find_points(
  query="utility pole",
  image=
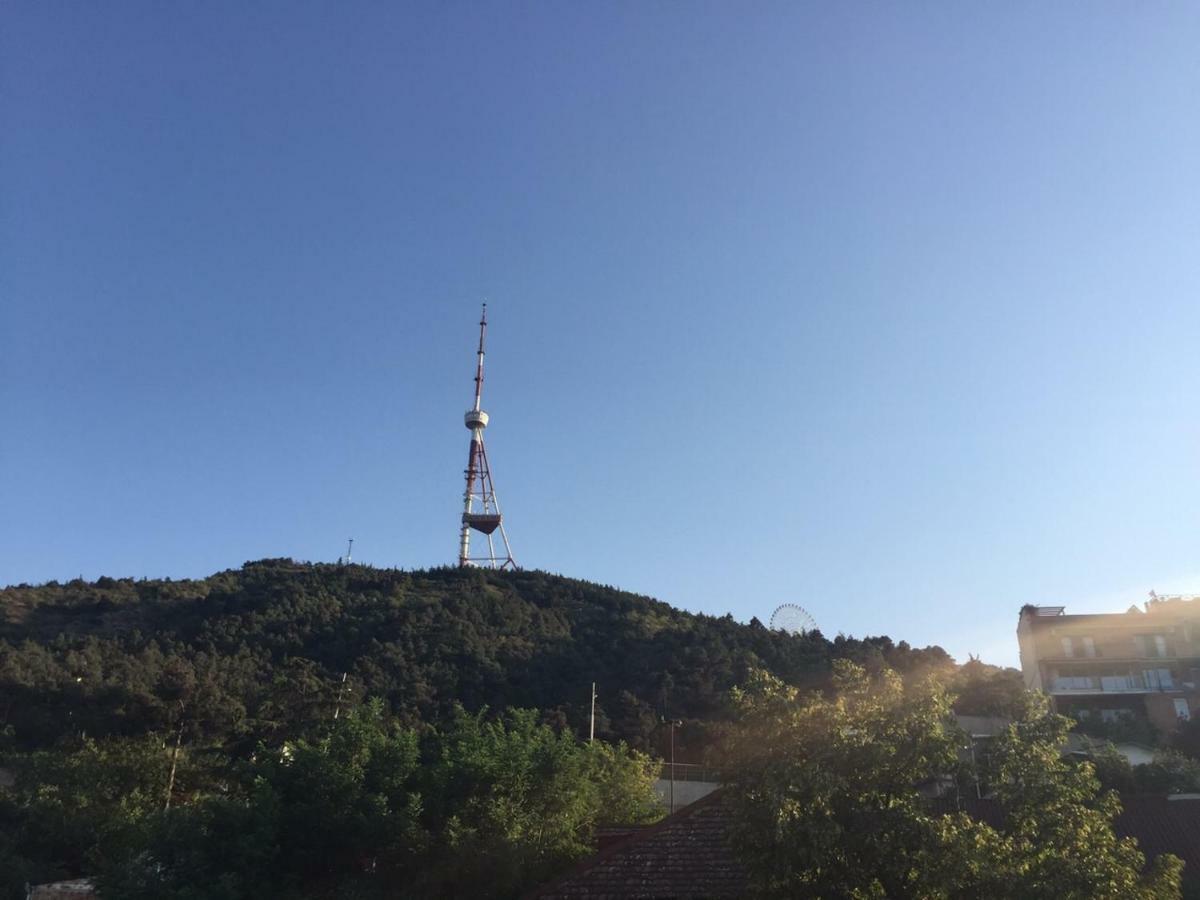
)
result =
(174, 758)
(673, 723)
(592, 728)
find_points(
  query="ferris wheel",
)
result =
(793, 619)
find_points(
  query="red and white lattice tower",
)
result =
(481, 509)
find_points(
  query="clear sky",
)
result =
(889, 310)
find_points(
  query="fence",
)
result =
(690, 772)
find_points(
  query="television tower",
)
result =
(484, 517)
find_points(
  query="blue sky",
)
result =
(886, 310)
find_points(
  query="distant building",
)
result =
(1138, 665)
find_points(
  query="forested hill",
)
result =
(259, 653)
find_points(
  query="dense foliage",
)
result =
(1170, 772)
(259, 654)
(481, 806)
(827, 800)
(240, 702)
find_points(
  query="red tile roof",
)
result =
(1163, 825)
(686, 856)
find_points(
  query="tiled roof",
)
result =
(685, 856)
(1164, 825)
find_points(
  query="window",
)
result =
(1151, 645)
(1068, 650)
(1074, 683)
(1116, 683)
(1181, 709)
(1089, 647)
(1158, 679)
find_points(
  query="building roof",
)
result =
(1164, 825)
(1160, 608)
(686, 855)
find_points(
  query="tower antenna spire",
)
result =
(481, 508)
(479, 366)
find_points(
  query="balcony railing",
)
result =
(690, 772)
(1116, 656)
(1112, 684)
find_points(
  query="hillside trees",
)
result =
(259, 654)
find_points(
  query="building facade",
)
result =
(1142, 665)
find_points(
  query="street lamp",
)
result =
(672, 723)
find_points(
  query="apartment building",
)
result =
(1143, 663)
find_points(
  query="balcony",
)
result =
(1154, 681)
(1109, 655)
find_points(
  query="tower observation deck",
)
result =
(481, 507)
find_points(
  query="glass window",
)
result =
(1074, 683)
(1089, 647)
(1068, 650)
(1181, 709)
(1160, 646)
(1158, 679)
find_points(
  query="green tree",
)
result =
(1170, 773)
(983, 690)
(71, 807)
(825, 788)
(1058, 840)
(515, 801)
(826, 801)
(482, 807)
(310, 816)
(1113, 769)
(1186, 738)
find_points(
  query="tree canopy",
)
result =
(828, 804)
(483, 806)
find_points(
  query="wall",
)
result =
(685, 792)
